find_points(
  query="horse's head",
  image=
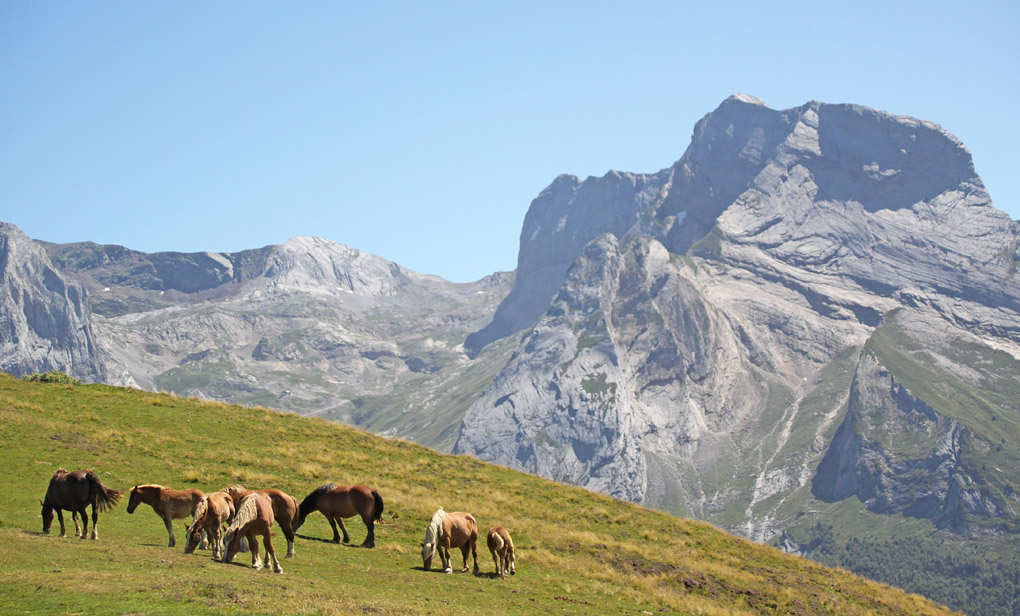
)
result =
(136, 497)
(193, 535)
(47, 517)
(428, 550)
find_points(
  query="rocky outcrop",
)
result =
(45, 322)
(781, 240)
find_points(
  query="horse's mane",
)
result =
(60, 472)
(311, 501)
(432, 533)
(201, 507)
(246, 512)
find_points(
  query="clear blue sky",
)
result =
(421, 131)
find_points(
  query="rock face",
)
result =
(701, 338)
(45, 323)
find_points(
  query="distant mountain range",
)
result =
(806, 330)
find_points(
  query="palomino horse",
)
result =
(339, 502)
(211, 512)
(254, 517)
(502, 548)
(446, 530)
(74, 491)
(285, 510)
(168, 504)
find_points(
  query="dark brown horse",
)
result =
(254, 517)
(285, 510)
(339, 502)
(450, 530)
(74, 491)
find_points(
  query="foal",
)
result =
(502, 548)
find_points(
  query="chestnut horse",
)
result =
(446, 530)
(211, 512)
(339, 502)
(254, 517)
(502, 548)
(285, 510)
(75, 491)
(168, 504)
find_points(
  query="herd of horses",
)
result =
(249, 514)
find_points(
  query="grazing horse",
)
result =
(502, 548)
(446, 530)
(254, 517)
(74, 491)
(211, 513)
(168, 504)
(285, 510)
(339, 502)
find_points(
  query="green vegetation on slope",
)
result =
(578, 552)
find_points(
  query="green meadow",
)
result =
(577, 552)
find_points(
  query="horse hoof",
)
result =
(447, 570)
(278, 569)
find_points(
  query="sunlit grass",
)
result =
(577, 552)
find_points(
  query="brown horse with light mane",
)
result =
(211, 513)
(168, 504)
(455, 529)
(75, 491)
(339, 502)
(285, 510)
(501, 546)
(254, 517)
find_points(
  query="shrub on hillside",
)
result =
(54, 376)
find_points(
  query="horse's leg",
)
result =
(495, 559)
(169, 529)
(95, 521)
(253, 545)
(444, 554)
(271, 553)
(474, 555)
(204, 544)
(464, 552)
(84, 521)
(288, 532)
(332, 523)
(370, 525)
(340, 521)
(73, 517)
(60, 516)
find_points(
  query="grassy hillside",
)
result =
(578, 552)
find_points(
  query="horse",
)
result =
(446, 530)
(254, 517)
(168, 504)
(339, 502)
(285, 510)
(74, 491)
(211, 512)
(502, 548)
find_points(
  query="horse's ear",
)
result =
(42, 503)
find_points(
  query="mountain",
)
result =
(812, 318)
(309, 326)
(44, 317)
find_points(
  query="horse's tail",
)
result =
(377, 512)
(104, 498)
(311, 502)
